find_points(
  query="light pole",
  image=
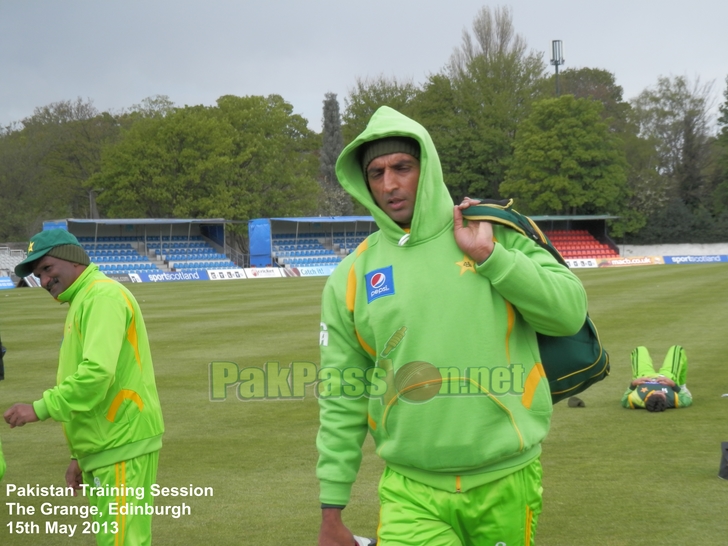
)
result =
(93, 211)
(557, 58)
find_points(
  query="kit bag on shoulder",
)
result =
(571, 363)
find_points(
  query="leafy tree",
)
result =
(335, 200)
(677, 223)
(371, 93)
(476, 104)
(247, 157)
(646, 188)
(154, 106)
(47, 162)
(24, 199)
(276, 163)
(674, 117)
(594, 84)
(719, 198)
(567, 161)
(168, 167)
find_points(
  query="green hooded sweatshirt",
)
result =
(106, 394)
(450, 343)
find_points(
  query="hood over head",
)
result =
(433, 205)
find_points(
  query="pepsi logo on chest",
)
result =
(379, 283)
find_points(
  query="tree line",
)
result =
(658, 162)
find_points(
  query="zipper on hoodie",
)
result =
(457, 485)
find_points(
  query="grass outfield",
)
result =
(612, 476)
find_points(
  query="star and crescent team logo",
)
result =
(467, 264)
(30, 246)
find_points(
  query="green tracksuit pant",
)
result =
(675, 365)
(126, 512)
(501, 513)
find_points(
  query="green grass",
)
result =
(611, 476)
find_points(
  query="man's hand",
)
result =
(74, 476)
(662, 380)
(475, 239)
(333, 531)
(19, 414)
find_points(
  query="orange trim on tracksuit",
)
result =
(124, 394)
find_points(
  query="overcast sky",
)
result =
(116, 53)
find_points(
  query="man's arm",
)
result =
(684, 399)
(333, 532)
(625, 398)
(74, 476)
(525, 274)
(343, 420)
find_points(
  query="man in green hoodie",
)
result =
(106, 395)
(439, 317)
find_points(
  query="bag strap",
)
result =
(502, 212)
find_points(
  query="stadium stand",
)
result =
(349, 241)
(117, 255)
(9, 258)
(312, 250)
(579, 243)
(181, 253)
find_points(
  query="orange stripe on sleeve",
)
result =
(511, 323)
(534, 378)
(131, 333)
(351, 282)
(372, 422)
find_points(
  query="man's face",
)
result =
(393, 181)
(55, 274)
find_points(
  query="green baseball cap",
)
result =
(58, 243)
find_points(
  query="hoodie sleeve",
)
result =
(102, 326)
(343, 419)
(684, 400)
(550, 297)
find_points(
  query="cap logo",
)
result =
(30, 246)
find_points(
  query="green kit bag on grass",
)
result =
(573, 363)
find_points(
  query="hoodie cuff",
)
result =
(335, 493)
(496, 265)
(41, 410)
